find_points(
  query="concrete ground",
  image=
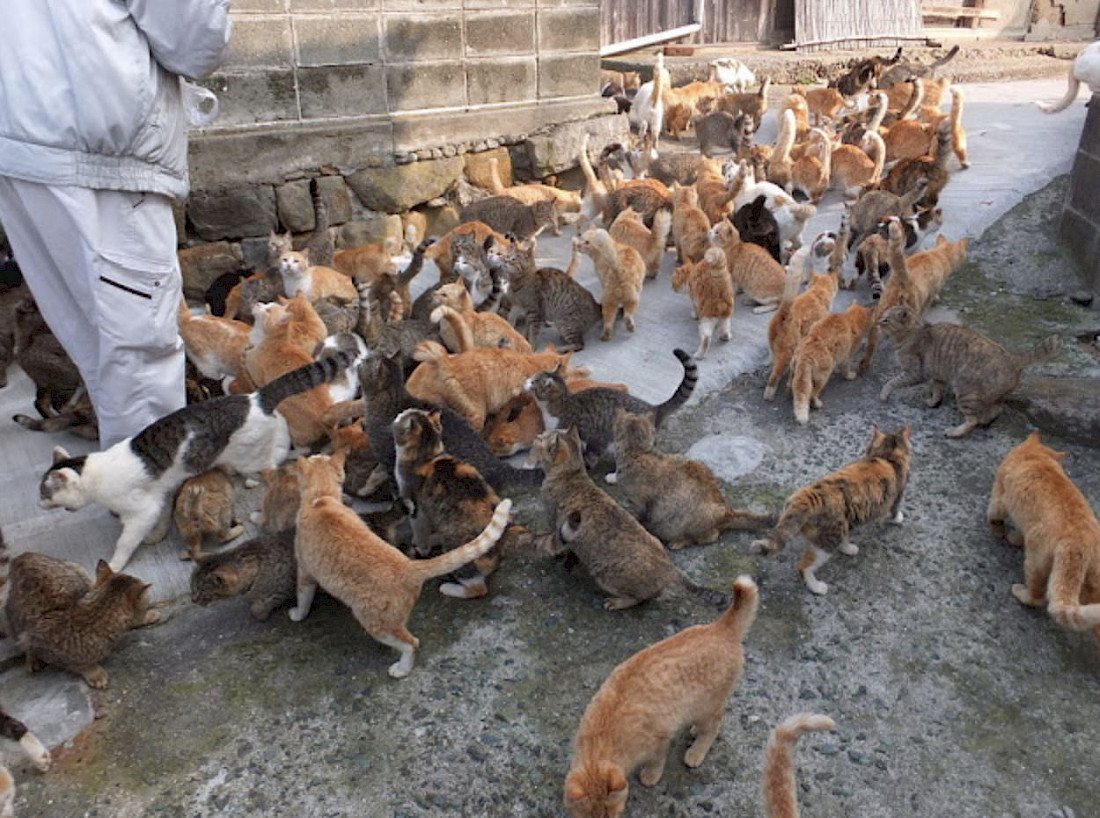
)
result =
(944, 689)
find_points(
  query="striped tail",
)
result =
(778, 785)
(303, 379)
(416, 264)
(492, 300)
(477, 547)
(683, 391)
(706, 595)
(1043, 350)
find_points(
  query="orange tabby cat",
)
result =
(214, 345)
(487, 329)
(569, 201)
(796, 314)
(1058, 531)
(830, 343)
(812, 171)
(823, 103)
(752, 268)
(367, 262)
(621, 270)
(478, 382)
(629, 229)
(853, 169)
(336, 550)
(715, 196)
(689, 224)
(797, 105)
(680, 682)
(315, 281)
(778, 785)
(711, 292)
(279, 508)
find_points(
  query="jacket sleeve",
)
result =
(187, 37)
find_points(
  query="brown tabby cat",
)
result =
(621, 270)
(59, 616)
(754, 104)
(778, 785)
(752, 268)
(338, 551)
(824, 512)
(830, 343)
(509, 216)
(279, 508)
(204, 505)
(676, 499)
(1058, 530)
(979, 371)
(711, 292)
(262, 570)
(441, 252)
(689, 224)
(680, 682)
(647, 196)
(625, 560)
(719, 131)
(629, 229)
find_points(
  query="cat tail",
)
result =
(429, 351)
(708, 596)
(1043, 350)
(778, 784)
(741, 612)
(415, 264)
(492, 300)
(500, 475)
(423, 570)
(945, 59)
(303, 379)
(802, 387)
(1067, 100)
(738, 520)
(14, 730)
(662, 226)
(1067, 576)
(683, 391)
(464, 337)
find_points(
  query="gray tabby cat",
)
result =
(980, 372)
(137, 477)
(507, 215)
(263, 290)
(721, 131)
(263, 571)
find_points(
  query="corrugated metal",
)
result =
(822, 24)
(724, 21)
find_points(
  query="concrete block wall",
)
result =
(1080, 225)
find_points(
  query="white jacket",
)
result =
(89, 92)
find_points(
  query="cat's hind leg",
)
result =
(609, 309)
(619, 603)
(935, 396)
(813, 559)
(403, 641)
(706, 731)
(467, 587)
(628, 314)
(706, 331)
(95, 676)
(307, 587)
(1037, 568)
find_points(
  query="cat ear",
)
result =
(907, 432)
(339, 459)
(616, 785)
(575, 436)
(574, 792)
(940, 239)
(135, 592)
(60, 454)
(435, 417)
(102, 572)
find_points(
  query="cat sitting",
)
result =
(315, 281)
(204, 505)
(262, 570)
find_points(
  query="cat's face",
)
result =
(597, 791)
(899, 319)
(62, 486)
(278, 244)
(293, 264)
(556, 448)
(545, 385)
(415, 430)
(211, 581)
(504, 256)
(723, 233)
(514, 427)
(451, 295)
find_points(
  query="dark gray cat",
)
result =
(263, 570)
(507, 215)
(721, 131)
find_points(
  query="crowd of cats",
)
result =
(327, 359)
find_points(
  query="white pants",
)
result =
(103, 269)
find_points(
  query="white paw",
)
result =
(899, 518)
(116, 565)
(455, 589)
(816, 586)
(251, 482)
(296, 614)
(256, 517)
(849, 548)
(398, 670)
(611, 478)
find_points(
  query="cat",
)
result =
(391, 292)
(214, 345)
(811, 173)
(906, 69)
(361, 473)
(37, 753)
(1058, 531)
(719, 131)
(874, 206)
(980, 372)
(621, 271)
(780, 161)
(471, 264)
(61, 617)
(800, 110)
(712, 297)
(277, 244)
(7, 793)
(752, 269)
(852, 168)
(629, 229)
(461, 332)
(320, 248)
(12, 294)
(932, 168)
(625, 561)
(279, 507)
(1085, 69)
(862, 75)
(680, 682)
(822, 102)
(715, 196)
(591, 412)
(778, 785)
(397, 339)
(344, 386)
(677, 119)
(754, 104)
(366, 262)
(488, 328)
(568, 201)
(675, 168)
(204, 505)
(873, 254)
(824, 512)
(731, 73)
(648, 110)
(958, 132)
(792, 321)
(448, 501)
(509, 216)
(441, 252)
(678, 500)
(689, 225)
(262, 570)
(829, 344)
(647, 196)
(317, 282)
(336, 550)
(257, 289)
(136, 477)
(758, 226)
(217, 293)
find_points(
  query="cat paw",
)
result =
(763, 547)
(816, 586)
(848, 548)
(38, 754)
(296, 614)
(256, 517)
(650, 775)
(251, 482)
(456, 590)
(611, 478)
(153, 618)
(400, 669)
(1024, 597)
(769, 393)
(898, 518)
(618, 603)
(694, 756)
(96, 678)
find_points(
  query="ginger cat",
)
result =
(279, 508)
(812, 171)
(908, 139)
(778, 786)
(367, 262)
(486, 329)
(478, 382)
(780, 162)
(824, 512)
(853, 169)
(569, 201)
(441, 252)
(800, 108)
(629, 229)
(830, 343)
(752, 268)
(1058, 530)
(823, 103)
(204, 505)
(214, 345)
(715, 196)
(336, 550)
(711, 290)
(315, 281)
(680, 682)
(621, 270)
(689, 224)
(796, 314)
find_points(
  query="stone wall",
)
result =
(1080, 227)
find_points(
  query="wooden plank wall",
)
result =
(725, 21)
(823, 24)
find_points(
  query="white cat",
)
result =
(1085, 69)
(733, 74)
(648, 111)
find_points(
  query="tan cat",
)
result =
(569, 201)
(629, 229)
(214, 345)
(279, 508)
(796, 314)
(441, 253)
(830, 343)
(204, 505)
(823, 103)
(908, 139)
(780, 162)
(778, 786)
(366, 262)
(337, 551)
(752, 268)
(478, 382)
(854, 169)
(689, 224)
(621, 270)
(680, 682)
(715, 196)
(315, 281)
(812, 171)
(711, 290)
(487, 329)
(1058, 531)
(797, 105)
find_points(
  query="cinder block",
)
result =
(501, 80)
(260, 42)
(505, 32)
(262, 95)
(415, 86)
(342, 90)
(568, 76)
(345, 39)
(571, 29)
(1085, 185)
(418, 37)
(332, 5)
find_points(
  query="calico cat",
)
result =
(873, 254)
(262, 570)
(875, 206)
(629, 229)
(752, 269)
(507, 215)
(1058, 531)
(204, 505)
(778, 785)
(824, 512)
(136, 477)
(59, 616)
(621, 270)
(711, 292)
(678, 500)
(830, 343)
(485, 329)
(448, 501)
(678, 683)
(338, 551)
(979, 371)
(13, 729)
(792, 321)
(214, 345)
(689, 225)
(719, 131)
(624, 560)
(591, 412)
(317, 282)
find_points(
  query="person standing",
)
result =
(93, 147)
